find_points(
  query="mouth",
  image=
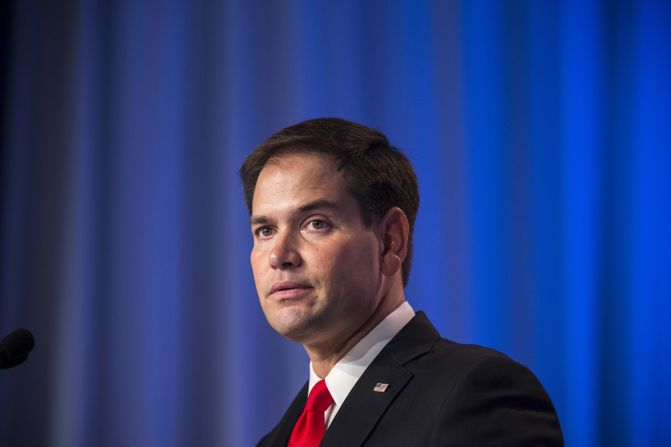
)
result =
(288, 289)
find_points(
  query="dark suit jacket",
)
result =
(440, 393)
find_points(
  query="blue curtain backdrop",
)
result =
(540, 132)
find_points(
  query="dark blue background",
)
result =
(540, 132)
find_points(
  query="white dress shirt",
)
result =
(341, 379)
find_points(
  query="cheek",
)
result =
(350, 262)
(255, 257)
(256, 260)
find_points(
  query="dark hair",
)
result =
(377, 174)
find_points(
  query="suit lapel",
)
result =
(364, 407)
(280, 435)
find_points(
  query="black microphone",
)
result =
(15, 347)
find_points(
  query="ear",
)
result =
(394, 230)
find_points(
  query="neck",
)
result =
(325, 356)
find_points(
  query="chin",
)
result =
(291, 323)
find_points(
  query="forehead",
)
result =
(292, 180)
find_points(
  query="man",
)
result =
(332, 208)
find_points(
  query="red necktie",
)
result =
(310, 428)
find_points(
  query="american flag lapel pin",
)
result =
(380, 387)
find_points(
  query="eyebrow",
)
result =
(319, 204)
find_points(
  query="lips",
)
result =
(288, 289)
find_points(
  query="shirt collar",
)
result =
(342, 377)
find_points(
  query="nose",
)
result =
(284, 254)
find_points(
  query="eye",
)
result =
(264, 232)
(317, 225)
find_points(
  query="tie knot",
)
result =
(319, 399)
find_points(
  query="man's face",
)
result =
(316, 266)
